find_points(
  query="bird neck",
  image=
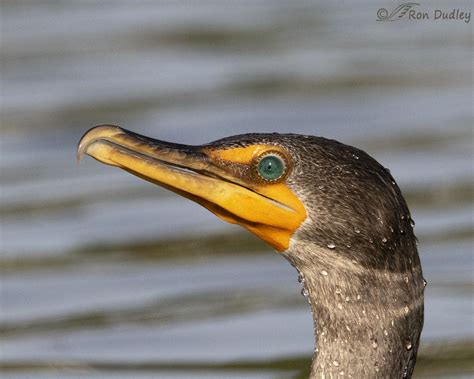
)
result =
(367, 323)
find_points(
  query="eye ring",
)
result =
(271, 166)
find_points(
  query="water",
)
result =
(104, 275)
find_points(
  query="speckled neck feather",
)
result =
(365, 325)
(358, 261)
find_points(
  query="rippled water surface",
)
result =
(107, 276)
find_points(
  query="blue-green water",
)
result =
(106, 276)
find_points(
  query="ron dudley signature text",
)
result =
(411, 11)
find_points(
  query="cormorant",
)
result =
(330, 209)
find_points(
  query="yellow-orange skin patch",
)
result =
(244, 155)
(278, 237)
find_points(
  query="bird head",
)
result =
(284, 188)
(242, 180)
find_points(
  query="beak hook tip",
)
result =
(91, 135)
(79, 157)
(81, 151)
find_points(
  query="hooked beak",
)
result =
(272, 212)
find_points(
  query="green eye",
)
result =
(271, 167)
